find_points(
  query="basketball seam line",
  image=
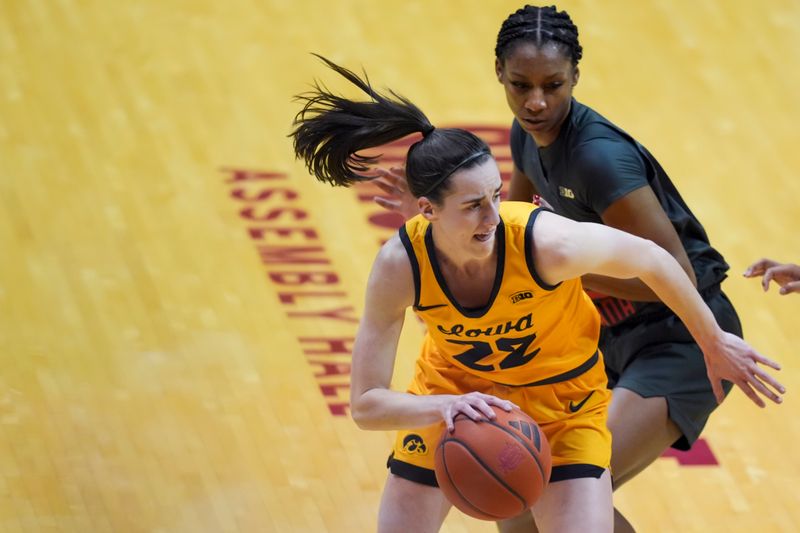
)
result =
(486, 468)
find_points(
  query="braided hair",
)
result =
(331, 130)
(539, 25)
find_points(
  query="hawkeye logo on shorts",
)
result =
(521, 295)
(414, 445)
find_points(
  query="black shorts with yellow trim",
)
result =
(571, 413)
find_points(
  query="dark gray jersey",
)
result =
(592, 164)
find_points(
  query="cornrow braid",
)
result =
(539, 25)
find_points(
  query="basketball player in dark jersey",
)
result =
(590, 170)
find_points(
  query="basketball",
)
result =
(493, 469)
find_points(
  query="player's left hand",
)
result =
(734, 360)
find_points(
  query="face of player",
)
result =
(464, 223)
(538, 83)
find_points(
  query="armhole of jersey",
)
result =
(529, 250)
(412, 258)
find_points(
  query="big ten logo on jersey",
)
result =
(394, 155)
(512, 348)
(521, 295)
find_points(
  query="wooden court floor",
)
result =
(178, 298)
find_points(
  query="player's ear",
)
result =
(498, 70)
(575, 75)
(427, 208)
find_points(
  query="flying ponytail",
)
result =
(330, 131)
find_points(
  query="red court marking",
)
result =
(699, 455)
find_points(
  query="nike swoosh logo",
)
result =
(575, 407)
(429, 307)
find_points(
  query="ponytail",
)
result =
(330, 130)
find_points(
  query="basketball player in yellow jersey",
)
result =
(525, 340)
(498, 286)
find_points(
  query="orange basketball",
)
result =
(493, 469)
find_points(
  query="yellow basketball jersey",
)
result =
(529, 333)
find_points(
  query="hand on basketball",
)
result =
(398, 198)
(786, 275)
(475, 405)
(736, 361)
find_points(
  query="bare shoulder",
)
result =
(393, 258)
(561, 244)
(392, 278)
(552, 234)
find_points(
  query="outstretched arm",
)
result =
(566, 249)
(390, 291)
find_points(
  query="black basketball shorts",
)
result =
(658, 357)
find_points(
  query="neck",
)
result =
(545, 140)
(457, 263)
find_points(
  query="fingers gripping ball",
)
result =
(493, 469)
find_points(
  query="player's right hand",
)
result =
(475, 405)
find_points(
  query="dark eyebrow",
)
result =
(476, 200)
(552, 76)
